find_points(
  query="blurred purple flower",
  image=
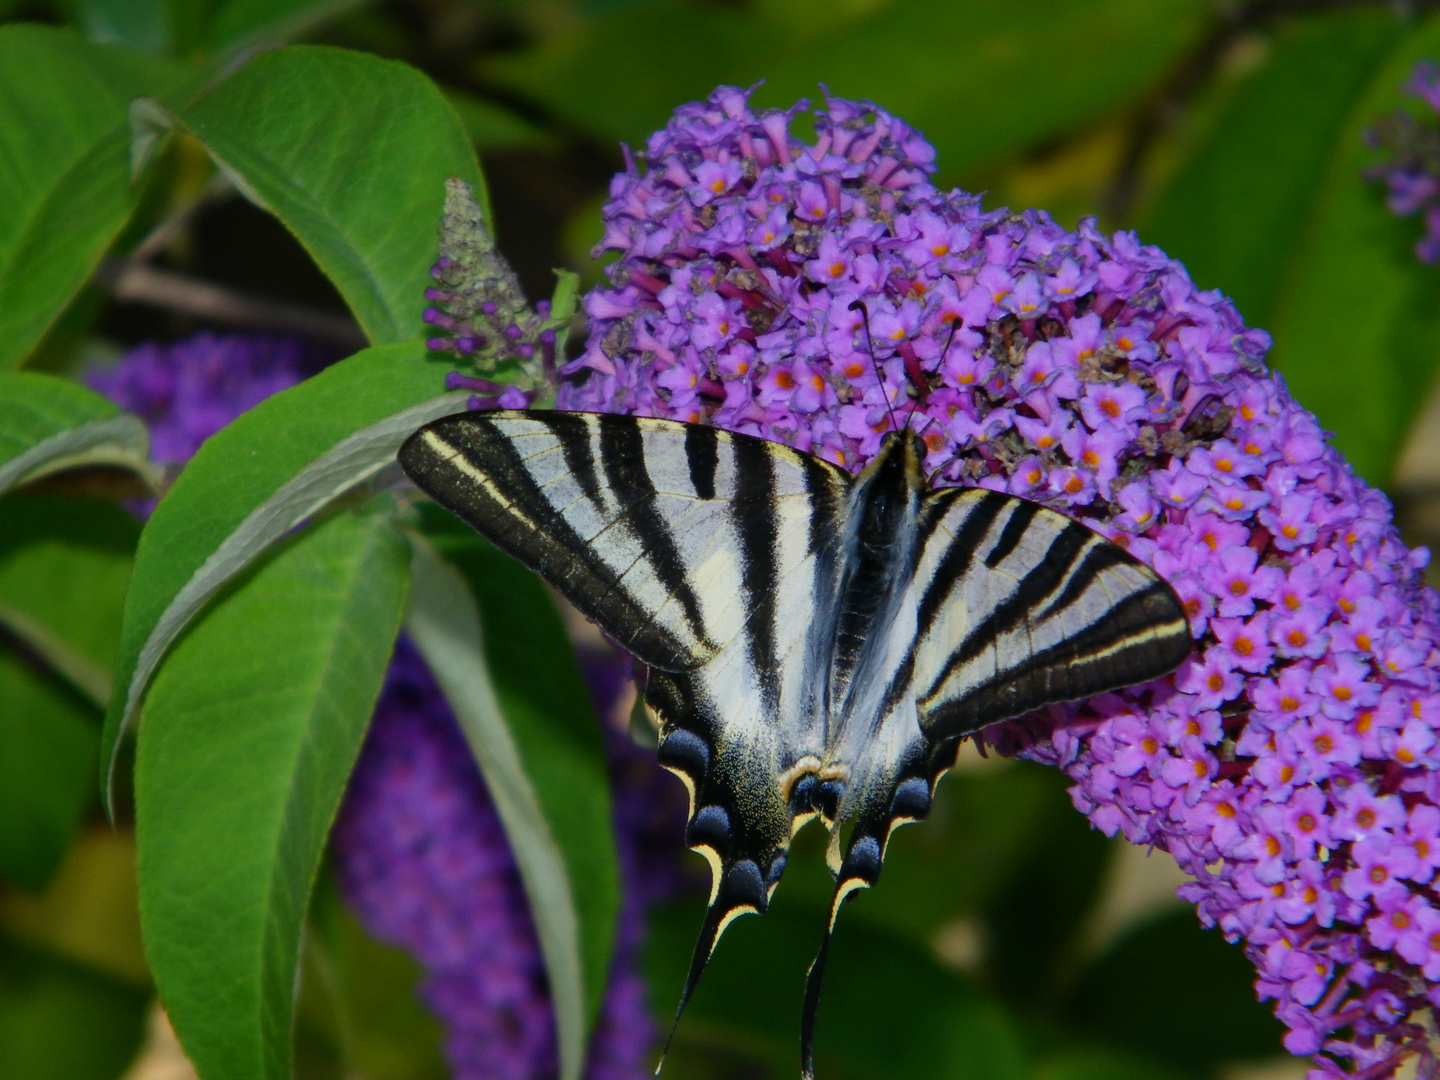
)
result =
(1412, 176)
(187, 391)
(1296, 750)
(420, 854)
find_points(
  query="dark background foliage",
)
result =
(1008, 940)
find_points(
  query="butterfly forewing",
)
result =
(644, 525)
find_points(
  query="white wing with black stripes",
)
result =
(818, 643)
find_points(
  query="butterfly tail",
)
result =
(740, 891)
(860, 870)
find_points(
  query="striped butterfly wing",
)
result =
(651, 528)
(1023, 606)
(1015, 606)
(714, 558)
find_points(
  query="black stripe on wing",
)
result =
(758, 526)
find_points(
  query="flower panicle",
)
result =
(1291, 765)
(476, 304)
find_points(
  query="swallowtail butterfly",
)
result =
(818, 643)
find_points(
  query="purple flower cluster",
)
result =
(1291, 765)
(420, 854)
(1412, 176)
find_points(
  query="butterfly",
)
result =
(818, 643)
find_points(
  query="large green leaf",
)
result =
(979, 78)
(351, 153)
(491, 635)
(58, 1019)
(250, 733)
(65, 187)
(48, 424)
(1271, 208)
(277, 465)
(64, 566)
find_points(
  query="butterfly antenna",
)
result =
(859, 305)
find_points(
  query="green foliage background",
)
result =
(289, 155)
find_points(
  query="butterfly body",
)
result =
(818, 643)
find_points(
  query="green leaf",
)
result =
(277, 465)
(527, 715)
(249, 24)
(1272, 209)
(49, 424)
(65, 189)
(351, 153)
(564, 302)
(64, 566)
(250, 733)
(47, 769)
(978, 80)
(61, 1020)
